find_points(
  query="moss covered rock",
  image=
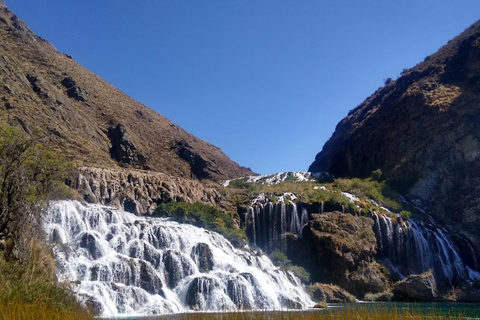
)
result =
(342, 248)
(330, 293)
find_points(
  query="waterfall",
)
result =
(268, 222)
(415, 247)
(125, 264)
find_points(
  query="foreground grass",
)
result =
(361, 313)
(30, 290)
(39, 310)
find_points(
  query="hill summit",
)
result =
(88, 119)
(422, 131)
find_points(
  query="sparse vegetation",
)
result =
(240, 192)
(205, 216)
(281, 260)
(369, 188)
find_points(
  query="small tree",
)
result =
(376, 175)
(30, 173)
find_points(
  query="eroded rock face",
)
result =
(416, 287)
(123, 148)
(343, 247)
(198, 165)
(423, 131)
(138, 191)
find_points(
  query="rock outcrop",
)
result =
(330, 293)
(423, 131)
(139, 191)
(87, 119)
(343, 247)
(416, 287)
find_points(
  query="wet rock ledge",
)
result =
(138, 191)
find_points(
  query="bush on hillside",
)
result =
(204, 216)
(30, 173)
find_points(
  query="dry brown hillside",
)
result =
(423, 131)
(89, 120)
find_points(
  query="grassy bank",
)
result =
(30, 290)
(361, 313)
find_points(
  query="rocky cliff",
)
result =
(139, 191)
(46, 92)
(423, 131)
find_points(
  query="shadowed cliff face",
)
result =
(423, 131)
(89, 120)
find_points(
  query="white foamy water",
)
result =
(125, 264)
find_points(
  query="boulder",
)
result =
(89, 242)
(203, 257)
(330, 293)
(416, 287)
(198, 292)
(176, 267)
(149, 280)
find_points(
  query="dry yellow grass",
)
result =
(40, 311)
(362, 313)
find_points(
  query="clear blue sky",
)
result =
(266, 81)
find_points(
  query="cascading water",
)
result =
(406, 248)
(125, 264)
(268, 222)
(415, 247)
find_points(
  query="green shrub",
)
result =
(204, 216)
(281, 260)
(405, 214)
(376, 175)
(301, 273)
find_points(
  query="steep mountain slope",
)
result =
(88, 119)
(423, 131)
